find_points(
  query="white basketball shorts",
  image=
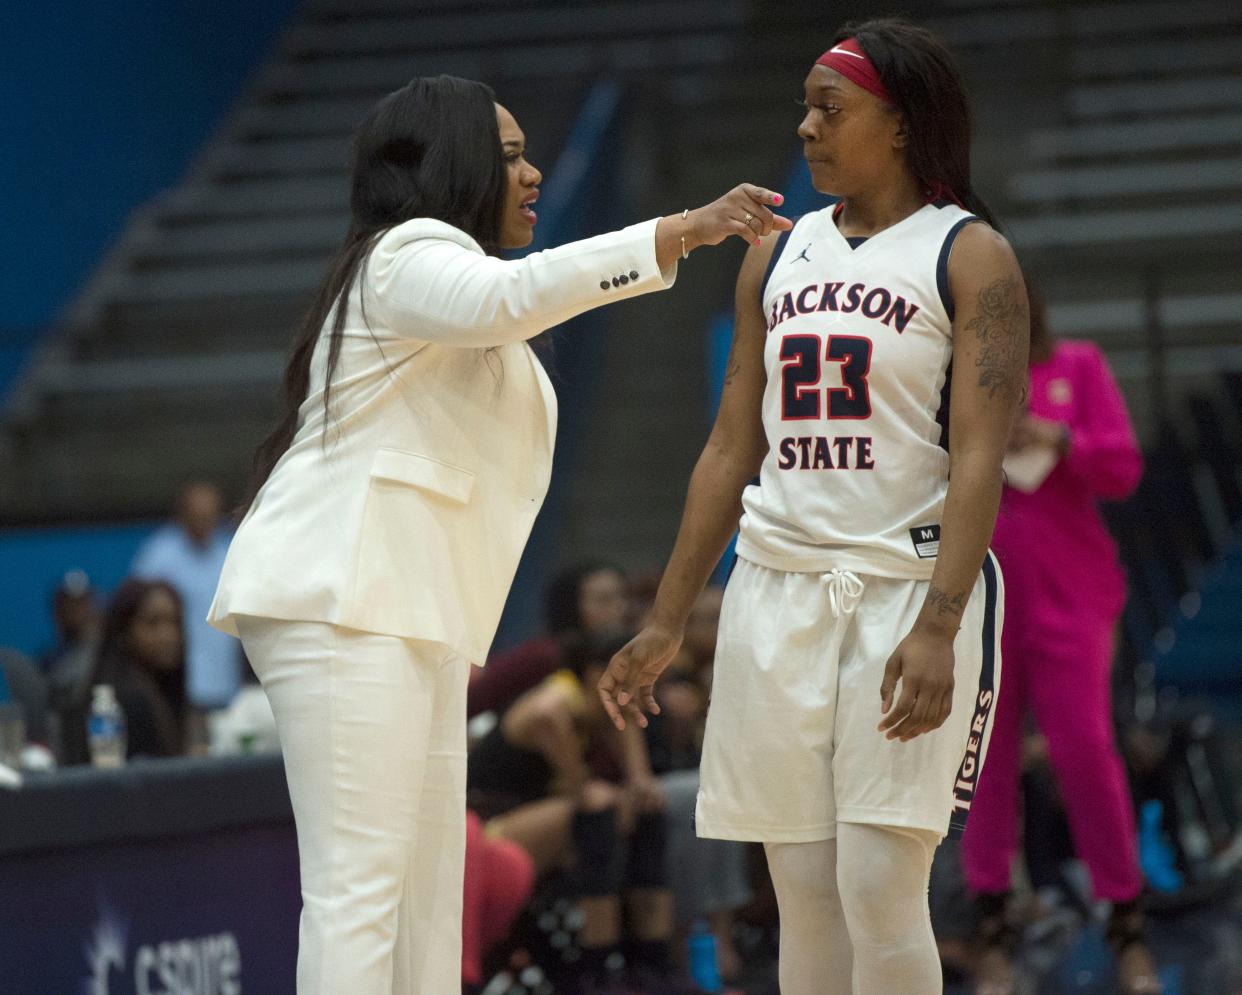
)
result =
(791, 746)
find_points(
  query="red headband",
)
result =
(851, 61)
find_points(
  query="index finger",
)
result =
(762, 194)
(771, 221)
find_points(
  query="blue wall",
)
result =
(105, 105)
(35, 561)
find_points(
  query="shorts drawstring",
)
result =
(845, 590)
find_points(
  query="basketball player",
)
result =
(857, 660)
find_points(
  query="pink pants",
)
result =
(1058, 662)
(499, 877)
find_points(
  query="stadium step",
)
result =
(1145, 180)
(1127, 139)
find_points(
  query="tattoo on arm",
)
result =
(946, 604)
(734, 365)
(999, 325)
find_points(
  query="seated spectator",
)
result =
(28, 689)
(247, 725)
(586, 598)
(75, 615)
(557, 778)
(709, 878)
(68, 665)
(643, 586)
(189, 554)
(142, 655)
(702, 625)
(499, 877)
(686, 686)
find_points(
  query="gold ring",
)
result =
(749, 217)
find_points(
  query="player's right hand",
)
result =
(743, 212)
(628, 685)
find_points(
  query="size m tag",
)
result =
(926, 539)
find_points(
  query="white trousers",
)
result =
(373, 732)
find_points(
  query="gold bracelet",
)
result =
(684, 253)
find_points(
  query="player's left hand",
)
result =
(923, 662)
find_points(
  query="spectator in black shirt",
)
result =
(142, 655)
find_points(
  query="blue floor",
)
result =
(1199, 952)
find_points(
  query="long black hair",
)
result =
(163, 691)
(562, 613)
(923, 80)
(429, 150)
(585, 649)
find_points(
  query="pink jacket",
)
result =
(1053, 543)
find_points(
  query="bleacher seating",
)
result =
(166, 368)
(1107, 138)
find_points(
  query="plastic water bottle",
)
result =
(1156, 855)
(106, 728)
(703, 966)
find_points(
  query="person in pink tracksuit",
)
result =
(1065, 591)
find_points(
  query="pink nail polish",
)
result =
(780, 199)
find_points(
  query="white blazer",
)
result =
(410, 517)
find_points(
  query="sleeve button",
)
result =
(623, 278)
(603, 284)
(633, 274)
(616, 281)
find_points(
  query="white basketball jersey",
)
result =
(857, 353)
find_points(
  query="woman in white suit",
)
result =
(393, 500)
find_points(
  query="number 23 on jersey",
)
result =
(802, 397)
